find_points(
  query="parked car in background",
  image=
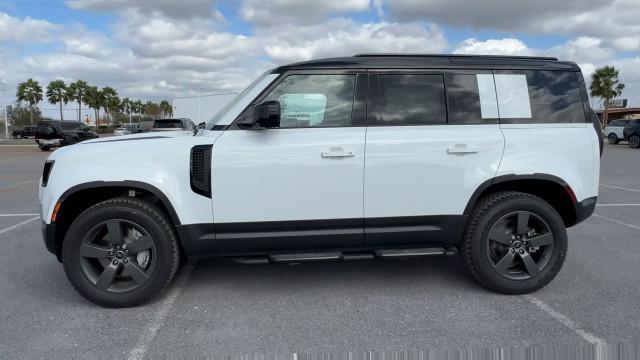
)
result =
(173, 125)
(631, 133)
(55, 133)
(121, 131)
(135, 128)
(24, 133)
(613, 131)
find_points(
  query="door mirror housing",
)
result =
(267, 114)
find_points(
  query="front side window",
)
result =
(412, 99)
(314, 100)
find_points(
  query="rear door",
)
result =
(432, 139)
(299, 186)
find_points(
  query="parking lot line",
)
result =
(619, 188)
(18, 184)
(19, 224)
(617, 221)
(16, 215)
(592, 339)
(150, 331)
(605, 205)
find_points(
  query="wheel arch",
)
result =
(82, 196)
(550, 188)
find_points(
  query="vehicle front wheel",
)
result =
(634, 141)
(120, 252)
(613, 139)
(514, 243)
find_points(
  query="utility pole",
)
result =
(4, 107)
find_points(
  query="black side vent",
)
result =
(201, 170)
(48, 165)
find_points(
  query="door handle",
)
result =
(462, 149)
(336, 153)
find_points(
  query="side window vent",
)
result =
(201, 170)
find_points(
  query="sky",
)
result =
(161, 49)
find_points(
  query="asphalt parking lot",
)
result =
(218, 307)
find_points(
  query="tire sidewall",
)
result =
(480, 237)
(637, 141)
(90, 218)
(613, 139)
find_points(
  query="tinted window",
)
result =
(168, 124)
(315, 100)
(70, 125)
(555, 97)
(464, 100)
(412, 100)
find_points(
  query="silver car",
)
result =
(613, 131)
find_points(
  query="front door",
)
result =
(299, 186)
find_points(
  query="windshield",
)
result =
(241, 101)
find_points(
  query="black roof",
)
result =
(399, 61)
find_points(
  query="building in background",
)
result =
(200, 108)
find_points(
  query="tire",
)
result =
(74, 140)
(613, 139)
(110, 275)
(634, 141)
(45, 148)
(484, 247)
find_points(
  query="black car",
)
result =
(631, 133)
(25, 132)
(53, 133)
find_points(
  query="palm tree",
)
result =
(166, 108)
(110, 100)
(31, 92)
(138, 107)
(127, 106)
(605, 85)
(57, 94)
(94, 99)
(77, 91)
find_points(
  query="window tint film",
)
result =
(471, 99)
(551, 96)
(408, 99)
(315, 100)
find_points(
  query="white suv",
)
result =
(371, 156)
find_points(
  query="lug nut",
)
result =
(125, 261)
(110, 253)
(513, 250)
(126, 251)
(521, 251)
(115, 262)
(117, 246)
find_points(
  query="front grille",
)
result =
(201, 170)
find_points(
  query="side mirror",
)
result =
(267, 114)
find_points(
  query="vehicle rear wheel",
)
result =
(613, 139)
(514, 243)
(634, 141)
(45, 148)
(120, 252)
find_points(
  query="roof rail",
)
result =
(457, 56)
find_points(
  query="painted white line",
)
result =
(18, 184)
(605, 205)
(19, 224)
(150, 331)
(16, 215)
(619, 188)
(599, 343)
(617, 221)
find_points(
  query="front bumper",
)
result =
(49, 142)
(49, 237)
(585, 208)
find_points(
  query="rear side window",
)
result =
(539, 97)
(412, 99)
(471, 99)
(168, 124)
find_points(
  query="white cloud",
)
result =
(506, 46)
(25, 31)
(182, 9)
(280, 12)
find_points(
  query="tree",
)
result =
(110, 100)
(605, 85)
(138, 106)
(152, 109)
(94, 99)
(31, 92)
(57, 94)
(77, 91)
(166, 108)
(127, 106)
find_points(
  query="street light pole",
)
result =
(6, 116)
